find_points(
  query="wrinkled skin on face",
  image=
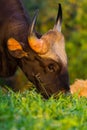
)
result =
(45, 61)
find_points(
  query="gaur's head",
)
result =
(44, 62)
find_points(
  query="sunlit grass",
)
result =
(29, 111)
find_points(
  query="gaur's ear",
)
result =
(15, 48)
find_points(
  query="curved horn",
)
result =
(31, 30)
(58, 19)
(38, 45)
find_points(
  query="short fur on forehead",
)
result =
(56, 43)
(53, 35)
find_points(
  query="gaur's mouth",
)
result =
(45, 91)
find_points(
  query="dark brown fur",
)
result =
(13, 23)
(49, 74)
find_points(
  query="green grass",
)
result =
(28, 111)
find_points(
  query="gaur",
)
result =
(42, 58)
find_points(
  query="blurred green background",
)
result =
(74, 28)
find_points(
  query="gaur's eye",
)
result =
(53, 67)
